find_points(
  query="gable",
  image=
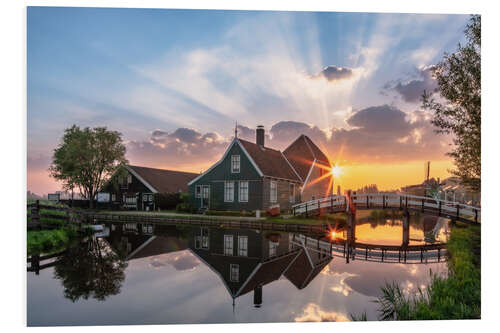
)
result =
(302, 153)
(222, 169)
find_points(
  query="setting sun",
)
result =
(337, 171)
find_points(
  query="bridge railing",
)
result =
(392, 200)
(334, 202)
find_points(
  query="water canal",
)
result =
(164, 274)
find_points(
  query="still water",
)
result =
(156, 274)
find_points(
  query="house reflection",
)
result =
(244, 260)
(247, 260)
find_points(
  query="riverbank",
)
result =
(457, 296)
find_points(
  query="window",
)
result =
(197, 192)
(204, 238)
(123, 182)
(273, 247)
(235, 164)
(228, 191)
(235, 273)
(243, 192)
(274, 191)
(228, 245)
(129, 179)
(292, 193)
(243, 246)
(113, 197)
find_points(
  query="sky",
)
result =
(175, 83)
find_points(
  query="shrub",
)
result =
(167, 200)
(186, 208)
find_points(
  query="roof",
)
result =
(305, 268)
(163, 181)
(302, 153)
(271, 162)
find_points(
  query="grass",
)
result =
(457, 296)
(46, 241)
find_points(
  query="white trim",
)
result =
(256, 269)
(216, 164)
(291, 144)
(241, 237)
(271, 191)
(239, 164)
(140, 248)
(307, 178)
(286, 159)
(213, 270)
(250, 159)
(232, 244)
(239, 190)
(225, 196)
(141, 179)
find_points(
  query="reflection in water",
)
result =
(157, 274)
(90, 269)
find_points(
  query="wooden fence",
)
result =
(42, 216)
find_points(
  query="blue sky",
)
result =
(175, 81)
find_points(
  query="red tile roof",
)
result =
(301, 154)
(271, 162)
(165, 181)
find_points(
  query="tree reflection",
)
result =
(90, 269)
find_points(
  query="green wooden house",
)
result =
(251, 176)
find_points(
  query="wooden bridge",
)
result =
(408, 254)
(338, 203)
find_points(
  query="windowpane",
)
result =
(198, 191)
(273, 247)
(235, 163)
(243, 246)
(274, 191)
(235, 273)
(243, 192)
(292, 193)
(228, 245)
(228, 191)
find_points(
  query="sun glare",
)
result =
(337, 171)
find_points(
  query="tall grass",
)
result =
(45, 241)
(457, 296)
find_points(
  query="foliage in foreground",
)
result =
(457, 296)
(45, 241)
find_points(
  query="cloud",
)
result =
(334, 73)
(182, 148)
(412, 90)
(313, 312)
(181, 261)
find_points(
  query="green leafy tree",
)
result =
(87, 158)
(458, 109)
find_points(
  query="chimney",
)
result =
(257, 296)
(259, 135)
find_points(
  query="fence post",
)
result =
(439, 207)
(306, 211)
(331, 204)
(367, 201)
(383, 201)
(422, 205)
(406, 201)
(400, 202)
(475, 215)
(458, 211)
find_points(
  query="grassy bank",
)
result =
(457, 296)
(46, 241)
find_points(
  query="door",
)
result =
(205, 196)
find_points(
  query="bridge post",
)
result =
(367, 201)
(406, 202)
(406, 228)
(475, 215)
(331, 204)
(439, 208)
(422, 204)
(400, 202)
(458, 211)
(383, 201)
(306, 211)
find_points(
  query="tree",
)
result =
(87, 158)
(458, 112)
(90, 269)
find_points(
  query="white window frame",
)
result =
(273, 248)
(234, 272)
(292, 193)
(197, 191)
(240, 196)
(273, 197)
(235, 160)
(228, 250)
(229, 196)
(205, 239)
(243, 246)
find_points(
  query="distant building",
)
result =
(252, 176)
(133, 187)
